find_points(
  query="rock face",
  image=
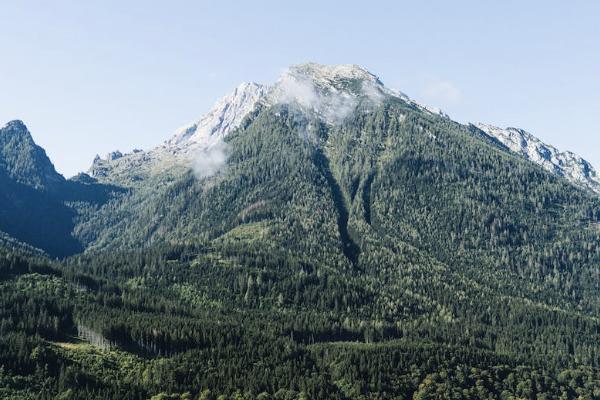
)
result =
(179, 152)
(566, 164)
(226, 115)
(114, 155)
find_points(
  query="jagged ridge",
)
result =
(566, 164)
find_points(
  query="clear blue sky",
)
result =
(89, 77)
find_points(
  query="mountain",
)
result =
(29, 210)
(321, 237)
(24, 161)
(319, 98)
(330, 164)
(37, 204)
(566, 164)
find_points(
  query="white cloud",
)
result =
(211, 160)
(334, 106)
(291, 89)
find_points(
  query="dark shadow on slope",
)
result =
(86, 189)
(37, 218)
(41, 218)
(349, 247)
(367, 198)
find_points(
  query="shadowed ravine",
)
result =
(367, 198)
(349, 247)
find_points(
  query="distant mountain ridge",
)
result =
(567, 164)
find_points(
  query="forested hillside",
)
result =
(391, 254)
(38, 206)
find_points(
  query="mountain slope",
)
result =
(566, 164)
(38, 206)
(179, 152)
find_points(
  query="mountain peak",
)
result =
(331, 92)
(328, 80)
(16, 129)
(328, 73)
(23, 160)
(16, 124)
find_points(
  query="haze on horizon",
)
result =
(91, 77)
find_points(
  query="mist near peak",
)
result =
(332, 98)
(211, 160)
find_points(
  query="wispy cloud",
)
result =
(211, 160)
(333, 106)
